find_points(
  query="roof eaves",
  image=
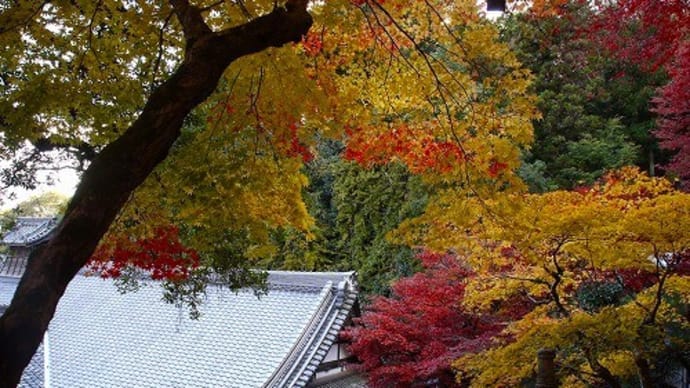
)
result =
(12, 267)
(294, 288)
(305, 368)
(292, 358)
(30, 231)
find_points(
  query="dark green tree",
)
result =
(595, 108)
(370, 203)
(354, 209)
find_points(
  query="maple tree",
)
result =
(654, 35)
(412, 337)
(673, 108)
(195, 115)
(605, 266)
(162, 254)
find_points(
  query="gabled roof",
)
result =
(33, 374)
(101, 338)
(29, 231)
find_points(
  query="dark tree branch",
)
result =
(658, 298)
(159, 57)
(212, 6)
(83, 151)
(601, 371)
(644, 371)
(189, 16)
(25, 22)
(557, 275)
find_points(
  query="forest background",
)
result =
(472, 253)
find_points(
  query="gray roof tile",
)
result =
(7, 287)
(349, 381)
(29, 231)
(33, 374)
(101, 338)
(12, 266)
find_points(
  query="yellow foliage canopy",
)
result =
(363, 73)
(606, 269)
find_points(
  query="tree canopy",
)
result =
(598, 272)
(198, 125)
(200, 115)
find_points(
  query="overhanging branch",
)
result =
(193, 24)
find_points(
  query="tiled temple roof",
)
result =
(29, 231)
(101, 338)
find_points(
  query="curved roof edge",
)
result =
(29, 231)
(298, 369)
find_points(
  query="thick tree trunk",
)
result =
(124, 164)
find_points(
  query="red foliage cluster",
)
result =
(633, 279)
(645, 32)
(295, 148)
(312, 44)
(496, 167)
(412, 337)
(672, 104)
(417, 149)
(163, 256)
(655, 34)
(681, 265)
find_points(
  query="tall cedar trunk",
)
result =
(124, 164)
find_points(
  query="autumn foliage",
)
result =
(416, 148)
(413, 337)
(162, 256)
(646, 32)
(672, 104)
(655, 35)
(605, 269)
(439, 94)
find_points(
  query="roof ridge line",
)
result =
(294, 287)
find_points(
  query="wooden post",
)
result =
(546, 370)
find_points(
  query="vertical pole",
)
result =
(546, 370)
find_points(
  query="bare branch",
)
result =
(89, 39)
(244, 9)
(658, 297)
(159, 57)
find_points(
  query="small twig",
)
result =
(159, 57)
